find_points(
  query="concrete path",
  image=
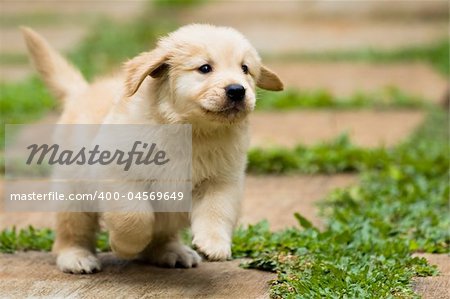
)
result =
(64, 24)
(280, 10)
(34, 274)
(435, 287)
(277, 198)
(365, 128)
(344, 79)
(296, 26)
(62, 39)
(274, 198)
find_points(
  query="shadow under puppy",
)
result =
(201, 75)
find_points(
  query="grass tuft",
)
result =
(30, 238)
(372, 229)
(340, 155)
(23, 102)
(387, 98)
(436, 54)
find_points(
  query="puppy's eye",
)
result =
(204, 69)
(245, 69)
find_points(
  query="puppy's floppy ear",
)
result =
(146, 64)
(269, 80)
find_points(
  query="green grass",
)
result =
(387, 98)
(353, 261)
(436, 54)
(372, 229)
(171, 4)
(336, 156)
(30, 238)
(23, 102)
(110, 44)
(13, 59)
(12, 240)
(31, 19)
(399, 207)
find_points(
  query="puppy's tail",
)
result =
(59, 75)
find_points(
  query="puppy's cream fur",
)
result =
(164, 86)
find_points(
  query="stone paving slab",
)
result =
(25, 219)
(64, 34)
(344, 79)
(277, 198)
(365, 128)
(434, 287)
(119, 10)
(274, 198)
(62, 38)
(34, 274)
(14, 73)
(281, 10)
(286, 27)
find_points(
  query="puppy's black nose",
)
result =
(235, 92)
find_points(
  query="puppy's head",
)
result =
(208, 74)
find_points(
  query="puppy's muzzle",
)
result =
(235, 92)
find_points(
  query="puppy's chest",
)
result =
(212, 160)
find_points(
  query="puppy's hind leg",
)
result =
(75, 242)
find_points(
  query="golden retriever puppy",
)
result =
(201, 75)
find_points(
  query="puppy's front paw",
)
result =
(172, 254)
(78, 261)
(213, 248)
